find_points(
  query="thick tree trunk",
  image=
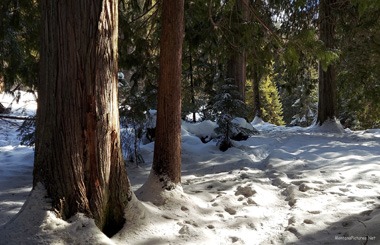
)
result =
(167, 150)
(78, 156)
(327, 83)
(236, 69)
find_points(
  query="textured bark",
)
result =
(327, 83)
(78, 156)
(167, 150)
(236, 69)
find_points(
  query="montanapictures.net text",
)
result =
(355, 238)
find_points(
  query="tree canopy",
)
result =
(280, 40)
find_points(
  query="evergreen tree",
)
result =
(19, 43)
(271, 104)
(300, 99)
(227, 106)
(359, 66)
(132, 117)
(139, 30)
(204, 55)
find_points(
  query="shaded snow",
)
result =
(288, 185)
(257, 121)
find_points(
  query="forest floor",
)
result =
(287, 185)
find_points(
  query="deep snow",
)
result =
(284, 186)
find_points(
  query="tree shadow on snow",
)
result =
(362, 228)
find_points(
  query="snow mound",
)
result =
(37, 224)
(373, 132)
(164, 217)
(329, 126)
(257, 121)
(154, 190)
(242, 123)
(204, 129)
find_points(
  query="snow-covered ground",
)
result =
(285, 186)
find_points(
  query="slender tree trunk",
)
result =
(167, 150)
(192, 86)
(256, 92)
(236, 69)
(2, 84)
(327, 83)
(77, 154)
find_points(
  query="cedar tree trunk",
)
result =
(167, 149)
(327, 83)
(77, 154)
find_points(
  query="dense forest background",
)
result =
(278, 43)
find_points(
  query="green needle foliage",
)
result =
(19, 43)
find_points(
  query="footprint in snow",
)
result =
(245, 191)
(308, 221)
(187, 230)
(333, 181)
(304, 187)
(291, 220)
(229, 210)
(363, 186)
(294, 231)
(344, 189)
(234, 239)
(189, 222)
(183, 208)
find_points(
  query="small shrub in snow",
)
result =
(132, 123)
(227, 106)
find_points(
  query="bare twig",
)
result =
(139, 17)
(16, 117)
